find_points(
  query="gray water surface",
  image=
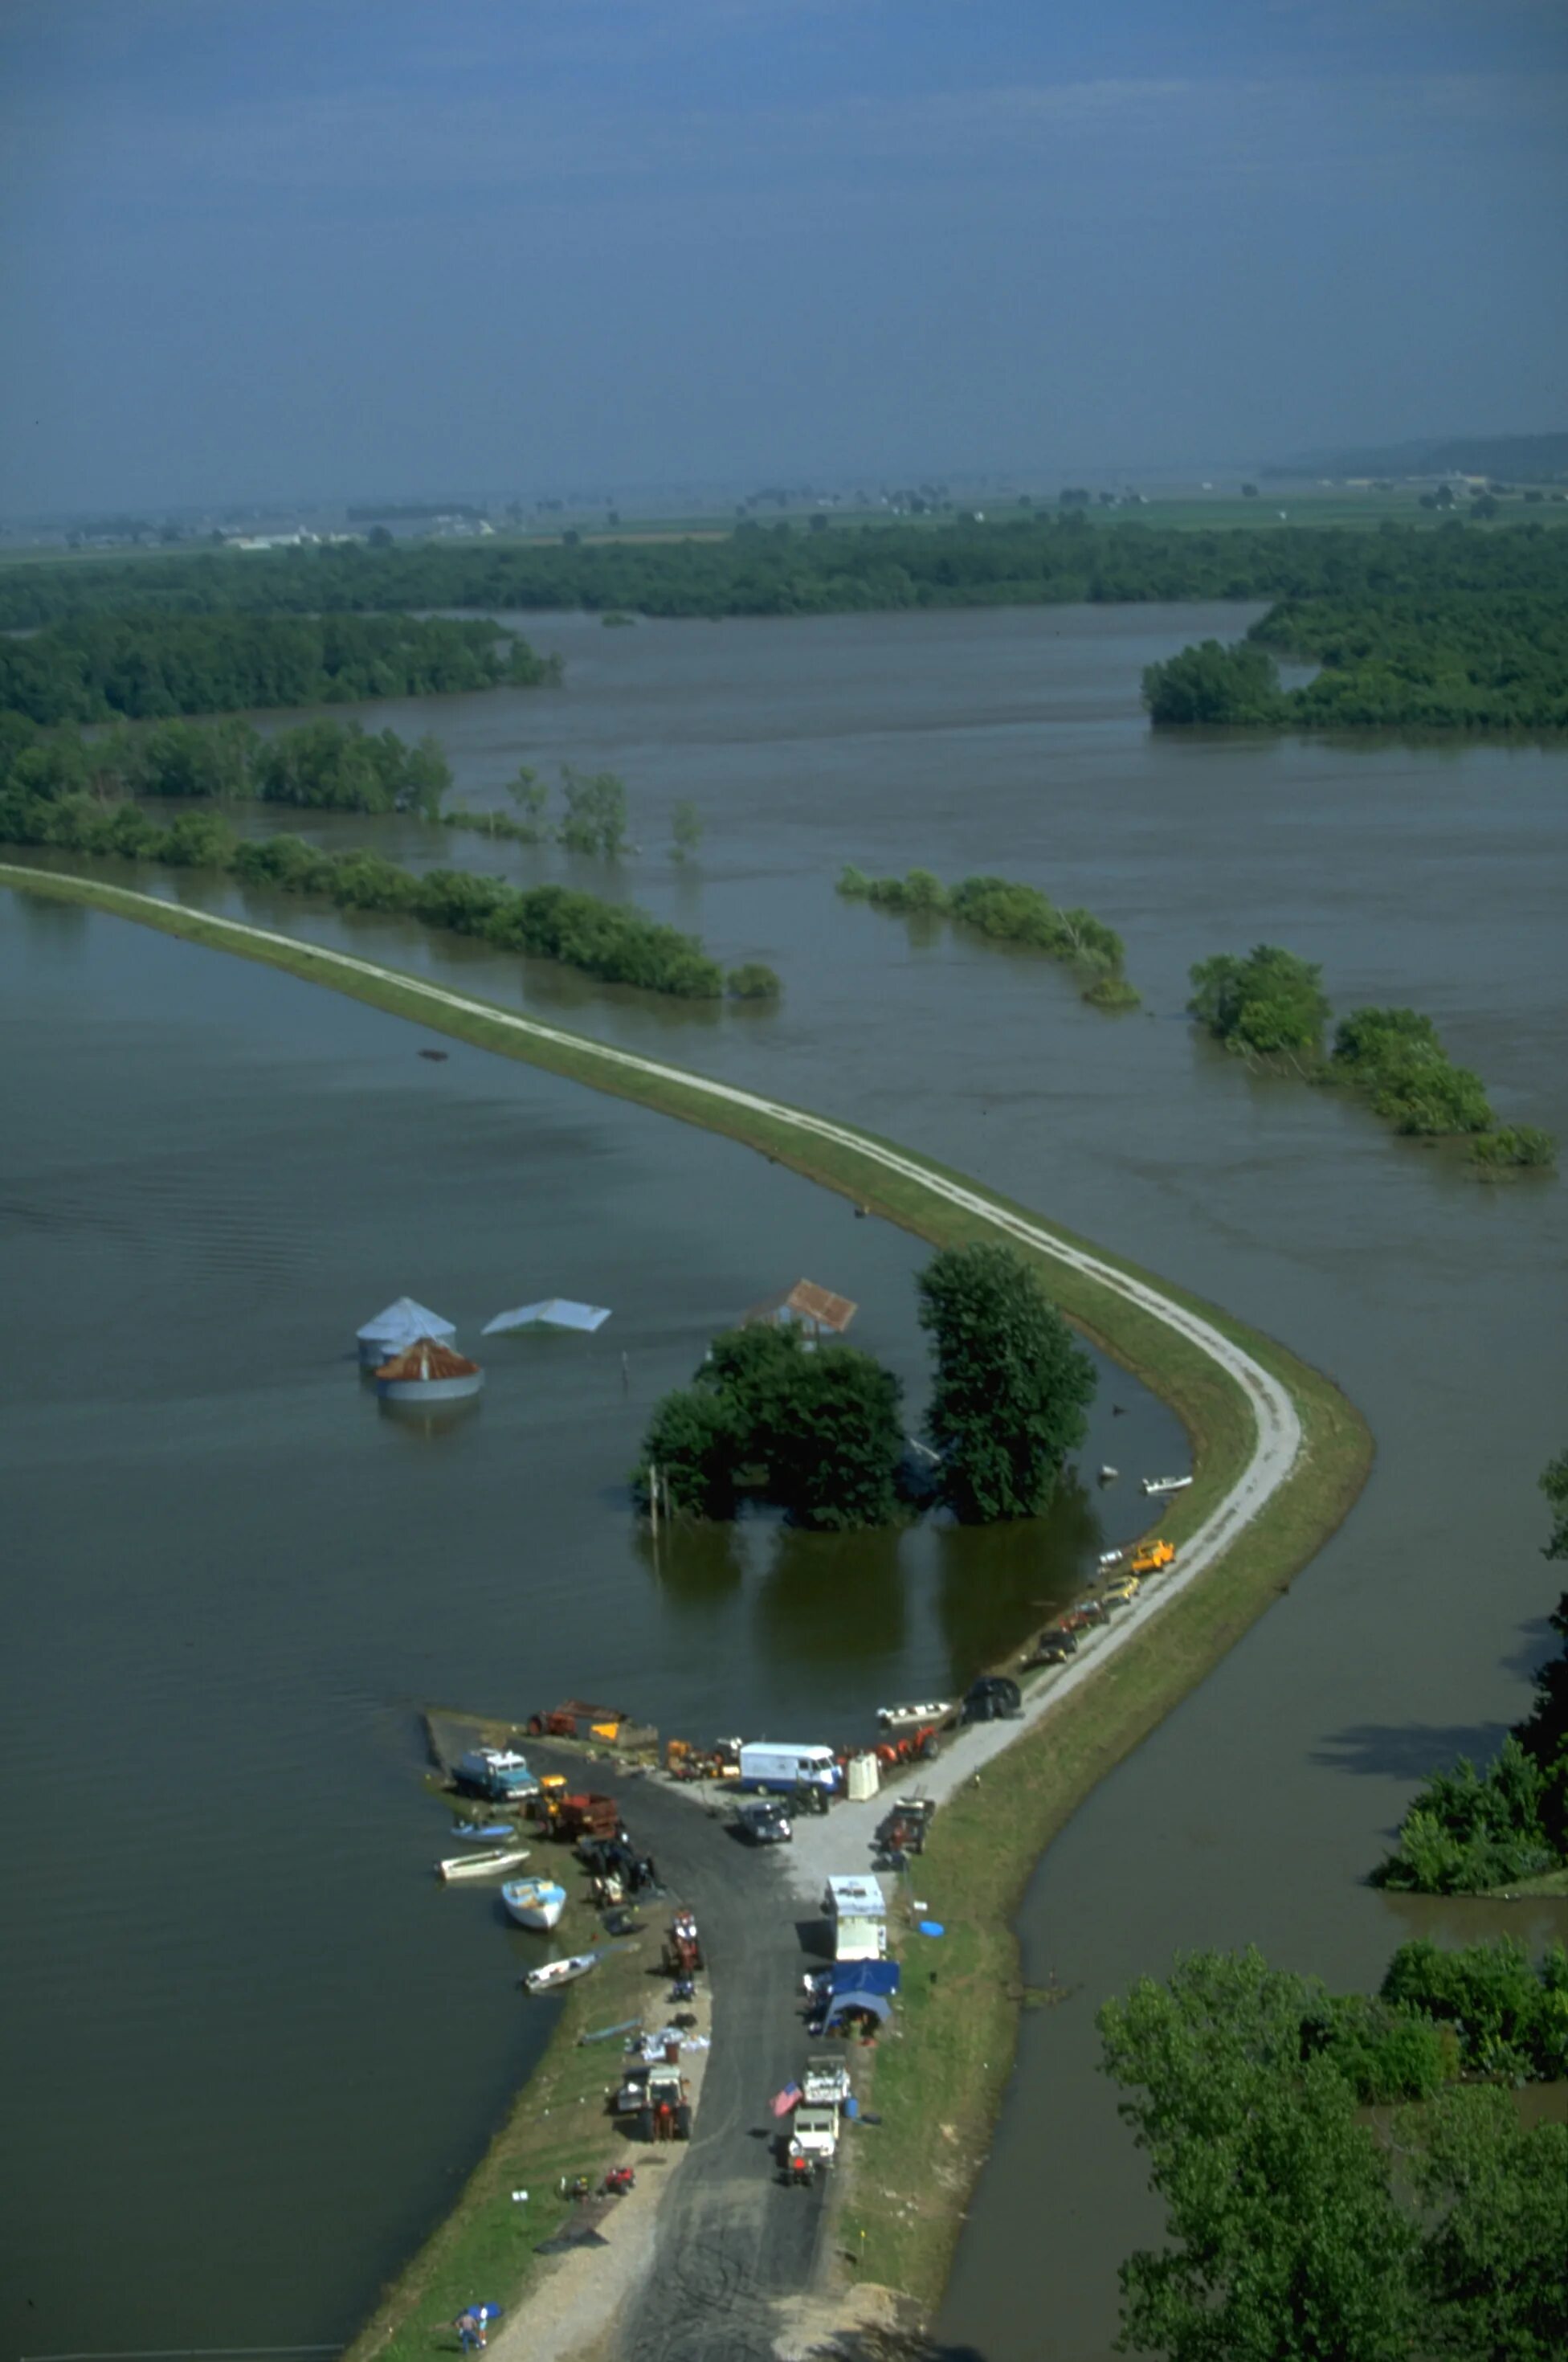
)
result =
(1008, 742)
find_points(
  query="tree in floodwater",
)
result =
(1011, 1386)
(531, 795)
(1269, 1004)
(685, 830)
(595, 818)
(1295, 2232)
(817, 1424)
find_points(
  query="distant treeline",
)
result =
(776, 570)
(1470, 659)
(1271, 1005)
(142, 666)
(1008, 912)
(322, 766)
(59, 793)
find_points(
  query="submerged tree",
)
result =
(685, 830)
(1268, 1003)
(595, 812)
(818, 1425)
(1011, 1386)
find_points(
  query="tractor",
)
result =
(683, 1947)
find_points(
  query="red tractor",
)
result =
(682, 1947)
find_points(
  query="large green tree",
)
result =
(820, 1423)
(1270, 1002)
(1011, 1383)
(1284, 2241)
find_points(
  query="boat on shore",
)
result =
(552, 1974)
(483, 1832)
(535, 1902)
(923, 1710)
(492, 1863)
(1155, 1485)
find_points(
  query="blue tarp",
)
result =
(863, 1977)
(555, 1312)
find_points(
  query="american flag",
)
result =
(786, 2099)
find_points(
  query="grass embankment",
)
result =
(484, 2250)
(939, 2083)
(949, 2065)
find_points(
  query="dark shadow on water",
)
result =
(834, 1598)
(695, 1566)
(995, 1583)
(891, 2345)
(1537, 1644)
(1408, 1750)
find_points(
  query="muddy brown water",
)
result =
(237, 1576)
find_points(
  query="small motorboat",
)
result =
(1108, 1475)
(533, 1902)
(1153, 1484)
(560, 1972)
(483, 1832)
(493, 1863)
(923, 1710)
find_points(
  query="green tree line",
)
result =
(1467, 659)
(144, 666)
(48, 799)
(1467, 1831)
(1271, 1005)
(1032, 559)
(1008, 912)
(1299, 2231)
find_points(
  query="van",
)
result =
(772, 1764)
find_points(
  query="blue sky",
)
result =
(317, 248)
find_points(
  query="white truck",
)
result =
(778, 1768)
(813, 2136)
(825, 2082)
(857, 1911)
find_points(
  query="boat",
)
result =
(1108, 1475)
(923, 1710)
(483, 1832)
(533, 1902)
(561, 1973)
(1164, 1484)
(492, 1863)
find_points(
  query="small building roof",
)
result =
(805, 1301)
(553, 1312)
(425, 1359)
(402, 1321)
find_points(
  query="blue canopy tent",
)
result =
(868, 1985)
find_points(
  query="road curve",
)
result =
(1278, 1428)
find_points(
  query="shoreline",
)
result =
(1279, 1457)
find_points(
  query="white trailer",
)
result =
(857, 1911)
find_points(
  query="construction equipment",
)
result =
(575, 1719)
(1151, 1557)
(921, 1744)
(683, 1947)
(904, 1830)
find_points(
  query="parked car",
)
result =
(993, 1698)
(765, 1824)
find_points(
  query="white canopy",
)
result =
(555, 1312)
(401, 1322)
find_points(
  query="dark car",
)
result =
(766, 1824)
(993, 1698)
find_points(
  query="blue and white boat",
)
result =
(483, 1832)
(533, 1902)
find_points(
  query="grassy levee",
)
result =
(483, 2250)
(939, 2082)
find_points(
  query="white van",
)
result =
(770, 1764)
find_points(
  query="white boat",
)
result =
(1111, 1558)
(535, 1902)
(923, 1710)
(1108, 1475)
(1164, 1484)
(490, 1863)
(560, 1972)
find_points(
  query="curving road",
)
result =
(729, 2246)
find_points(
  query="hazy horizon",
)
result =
(337, 250)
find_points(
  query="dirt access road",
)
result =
(732, 2243)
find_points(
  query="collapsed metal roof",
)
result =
(813, 1306)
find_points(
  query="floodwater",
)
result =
(252, 1165)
